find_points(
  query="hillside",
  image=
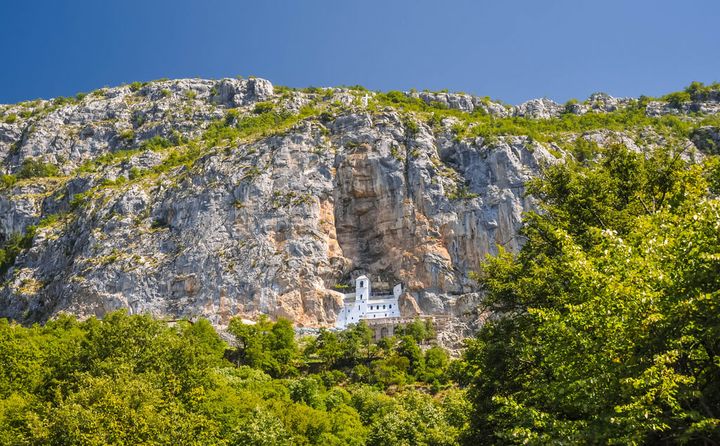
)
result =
(218, 198)
(196, 205)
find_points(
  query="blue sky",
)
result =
(511, 50)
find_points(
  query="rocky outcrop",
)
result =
(539, 109)
(463, 102)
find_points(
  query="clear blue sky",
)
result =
(510, 50)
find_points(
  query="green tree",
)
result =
(356, 344)
(416, 419)
(408, 348)
(608, 317)
(327, 347)
(262, 429)
(269, 346)
(436, 364)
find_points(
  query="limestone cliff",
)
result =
(178, 198)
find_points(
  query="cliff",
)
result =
(218, 198)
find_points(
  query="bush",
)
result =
(570, 105)
(13, 246)
(412, 127)
(263, 107)
(232, 116)
(701, 92)
(31, 168)
(156, 143)
(127, 134)
(11, 118)
(138, 119)
(677, 99)
(7, 181)
(62, 100)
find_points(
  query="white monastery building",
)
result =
(362, 305)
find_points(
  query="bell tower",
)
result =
(362, 289)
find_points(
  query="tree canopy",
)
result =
(607, 326)
(137, 380)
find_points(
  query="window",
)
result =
(391, 306)
(362, 284)
(383, 307)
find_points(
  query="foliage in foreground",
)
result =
(609, 326)
(136, 380)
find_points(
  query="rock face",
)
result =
(150, 216)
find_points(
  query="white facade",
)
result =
(363, 305)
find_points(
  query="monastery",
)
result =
(374, 309)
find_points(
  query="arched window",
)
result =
(391, 306)
(362, 284)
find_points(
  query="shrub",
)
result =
(127, 134)
(159, 223)
(570, 105)
(11, 118)
(135, 172)
(462, 193)
(49, 220)
(138, 119)
(62, 100)
(7, 181)
(31, 168)
(99, 93)
(701, 92)
(312, 90)
(677, 99)
(412, 127)
(263, 107)
(15, 244)
(156, 143)
(232, 116)
(135, 86)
